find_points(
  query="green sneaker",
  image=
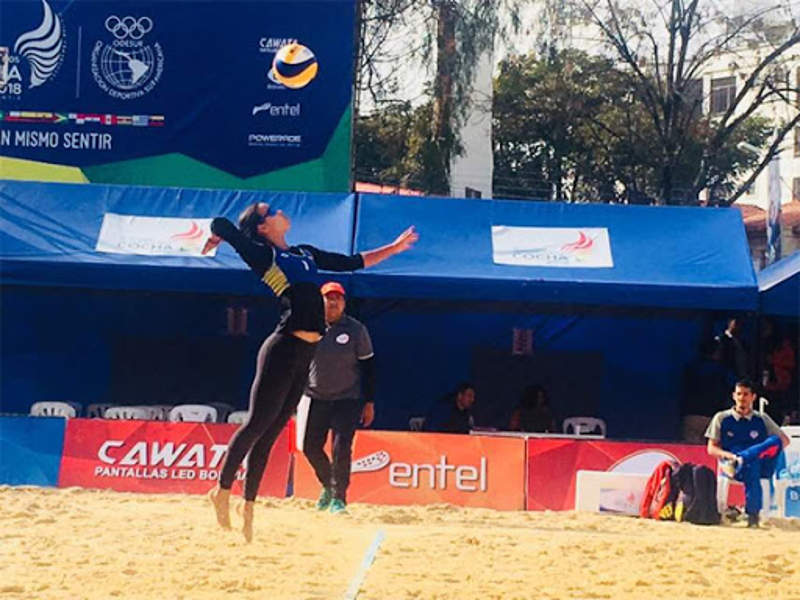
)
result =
(338, 506)
(325, 498)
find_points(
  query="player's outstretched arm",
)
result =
(403, 242)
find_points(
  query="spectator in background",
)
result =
(706, 382)
(779, 370)
(453, 413)
(533, 413)
(747, 444)
(734, 352)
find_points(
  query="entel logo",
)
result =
(467, 478)
(153, 454)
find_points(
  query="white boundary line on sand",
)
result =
(355, 583)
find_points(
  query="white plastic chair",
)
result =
(416, 423)
(76, 405)
(768, 485)
(237, 417)
(98, 410)
(584, 425)
(160, 412)
(139, 413)
(52, 409)
(223, 410)
(724, 482)
(195, 413)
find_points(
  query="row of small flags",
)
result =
(21, 116)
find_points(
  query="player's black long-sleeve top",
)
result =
(290, 274)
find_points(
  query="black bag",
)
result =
(697, 502)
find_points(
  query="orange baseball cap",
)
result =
(332, 286)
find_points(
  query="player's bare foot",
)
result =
(221, 500)
(247, 520)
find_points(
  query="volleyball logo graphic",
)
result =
(294, 66)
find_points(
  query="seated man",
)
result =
(533, 413)
(453, 413)
(747, 443)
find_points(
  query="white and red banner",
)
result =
(553, 465)
(424, 468)
(153, 236)
(551, 246)
(157, 456)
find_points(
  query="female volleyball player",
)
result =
(284, 357)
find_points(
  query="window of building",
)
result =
(472, 193)
(798, 86)
(694, 96)
(723, 92)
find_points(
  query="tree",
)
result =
(381, 145)
(664, 66)
(392, 147)
(457, 33)
(567, 126)
(545, 115)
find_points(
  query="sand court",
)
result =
(75, 543)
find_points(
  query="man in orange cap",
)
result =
(341, 386)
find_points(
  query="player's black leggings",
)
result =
(281, 375)
(340, 416)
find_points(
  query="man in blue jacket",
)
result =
(747, 443)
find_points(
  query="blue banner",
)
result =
(30, 450)
(188, 93)
(773, 252)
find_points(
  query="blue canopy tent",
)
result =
(665, 257)
(48, 233)
(779, 287)
(91, 326)
(610, 341)
(613, 337)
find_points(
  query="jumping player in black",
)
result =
(284, 357)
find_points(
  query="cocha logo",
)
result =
(195, 232)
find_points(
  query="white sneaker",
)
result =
(730, 466)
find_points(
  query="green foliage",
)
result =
(393, 146)
(625, 127)
(571, 127)
(664, 48)
(458, 33)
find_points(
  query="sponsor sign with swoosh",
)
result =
(153, 236)
(584, 247)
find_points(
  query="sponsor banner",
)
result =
(427, 468)
(774, 211)
(30, 450)
(553, 465)
(173, 92)
(551, 246)
(155, 456)
(153, 236)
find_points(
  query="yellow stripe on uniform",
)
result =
(275, 279)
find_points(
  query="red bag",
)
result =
(658, 499)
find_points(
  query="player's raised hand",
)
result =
(212, 242)
(405, 240)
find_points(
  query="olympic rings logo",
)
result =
(128, 27)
